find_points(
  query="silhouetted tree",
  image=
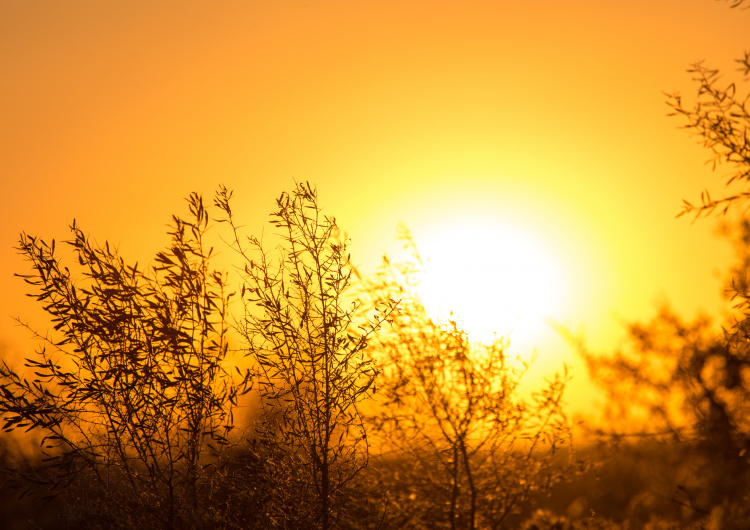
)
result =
(685, 385)
(473, 451)
(129, 390)
(307, 336)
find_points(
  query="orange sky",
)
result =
(545, 115)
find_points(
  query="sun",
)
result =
(491, 277)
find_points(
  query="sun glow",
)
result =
(491, 278)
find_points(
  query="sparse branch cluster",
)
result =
(720, 117)
(680, 389)
(308, 340)
(130, 392)
(477, 449)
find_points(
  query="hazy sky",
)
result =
(543, 119)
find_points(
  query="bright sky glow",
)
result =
(494, 278)
(441, 115)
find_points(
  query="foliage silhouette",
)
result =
(735, 3)
(474, 451)
(129, 391)
(720, 117)
(308, 340)
(682, 384)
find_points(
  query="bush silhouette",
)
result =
(685, 385)
(307, 337)
(135, 404)
(129, 391)
(473, 451)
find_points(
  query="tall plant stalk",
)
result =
(308, 340)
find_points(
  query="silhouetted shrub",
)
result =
(129, 391)
(470, 451)
(684, 386)
(307, 336)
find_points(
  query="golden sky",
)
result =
(545, 119)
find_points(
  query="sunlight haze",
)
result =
(492, 279)
(525, 144)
